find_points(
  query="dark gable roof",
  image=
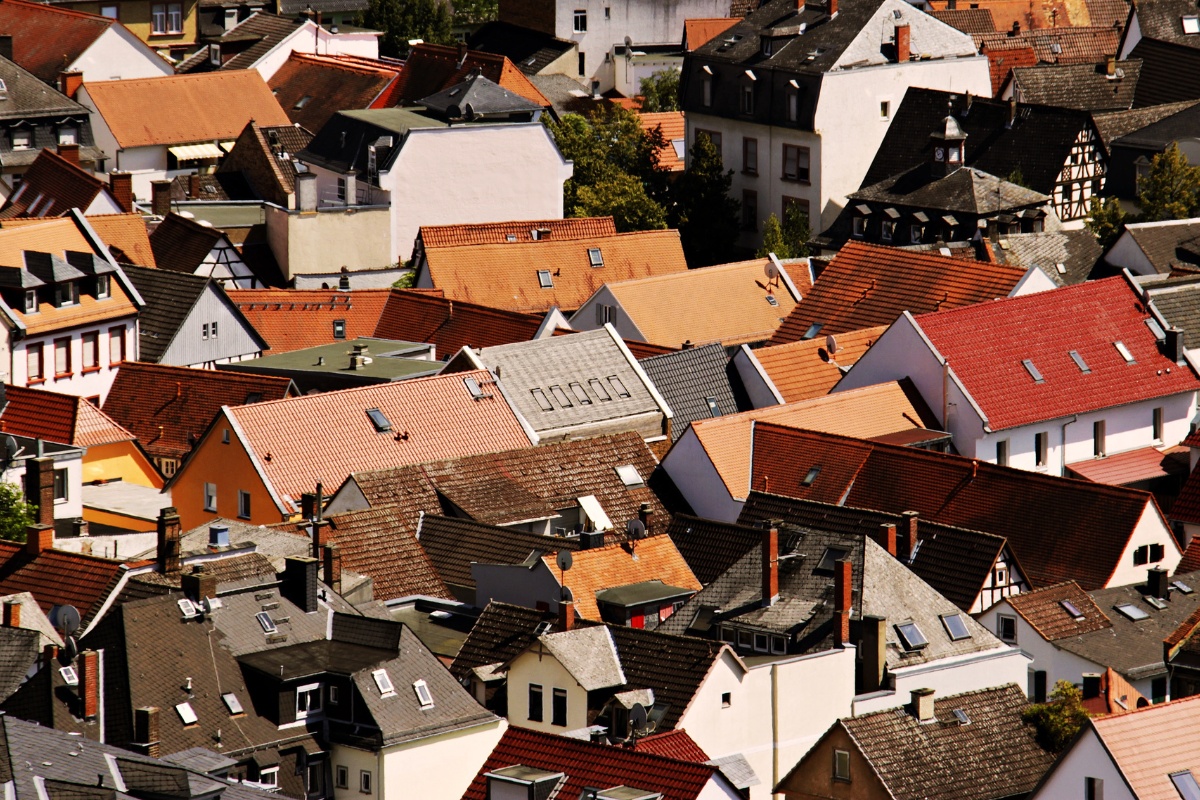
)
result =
(1113, 124)
(1166, 242)
(379, 543)
(19, 650)
(29, 96)
(47, 37)
(1178, 300)
(341, 143)
(1158, 135)
(477, 97)
(329, 85)
(673, 666)
(995, 755)
(450, 325)
(1082, 86)
(687, 378)
(1076, 250)
(500, 634)
(181, 244)
(531, 51)
(710, 547)
(1036, 145)
(966, 190)
(1163, 20)
(967, 20)
(1170, 72)
(62, 185)
(1049, 522)
(263, 31)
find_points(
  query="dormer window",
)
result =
(68, 134)
(103, 286)
(31, 301)
(66, 294)
(22, 139)
(767, 47)
(748, 98)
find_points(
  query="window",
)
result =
(811, 476)
(749, 210)
(707, 90)
(1006, 628)
(956, 627)
(860, 227)
(1098, 438)
(713, 409)
(225, 436)
(243, 504)
(595, 257)
(62, 357)
(308, 700)
(535, 702)
(66, 294)
(341, 190)
(1156, 424)
(543, 402)
(210, 497)
(726, 699)
(911, 636)
(1093, 789)
(91, 350)
(1124, 351)
(232, 703)
(204, 331)
(265, 622)
(1033, 371)
(424, 696)
(110, 12)
(750, 156)
(212, 329)
(580, 394)
(793, 106)
(60, 485)
(187, 714)
(580, 21)
(31, 301)
(1158, 690)
(606, 313)
(269, 776)
(333, 695)
(582, 64)
(379, 420)
(1148, 554)
(887, 231)
(748, 98)
(1040, 443)
(599, 390)
(558, 394)
(916, 233)
(68, 134)
(364, 781)
(558, 710)
(339, 329)
(116, 345)
(36, 365)
(1002, 452)
(841, 765)
(885, 109)
(103, 287)
(1191, 24)
(341, 777)
(795, 163)
(607, 12)
(1131, 612)
(545, 279)
(22, 140)
(1185, 784)
(617, 386)
(1071, 609)
(166, 18)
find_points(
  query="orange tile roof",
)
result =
(182, 109)
(673, 129)
(1044, 611)
(726, 303)
(653, 558)
(804, 369)
(450, 325)
(505, 275)
(1132, 466)
(868, 284)
(63, 418)
(87, 311)
(1151, 743)
(698, 32)
(301, 441)
(293, 319)
(49, 236)
(860, 413)
(498, 232)
(126, 237)
(1002, 61)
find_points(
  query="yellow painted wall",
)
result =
(545, 670)
(120, 460)
(123, 521)
(230, 468)
(135, 15)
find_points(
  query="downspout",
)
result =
(1074, 418)
(774, 725)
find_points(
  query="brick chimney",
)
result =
(160, 198)
(843, 598)
(333, 567)
(194, 185)
(168, 541)
(12, 614)
(198, 584)
(566, 614)
(770, 566)
(145, 731)
(1157, 583)
(922, 705)
(885, 536)
(69, 152)
(120, 184)
(908, 537)
(644, 515)
(832, 7)
(902, 42)
(6, 46)
(69, 83)
(89, 683)
(39, 488)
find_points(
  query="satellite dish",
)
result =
(468, 112)
(70, 648)
(565, 560)
(567, 595)
(637, 719)
(831, 344)
(772, 268)
(65, 618)
(11, 447)
(636, 529)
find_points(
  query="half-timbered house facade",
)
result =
(1082, 175)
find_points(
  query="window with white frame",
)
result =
(103, 286)
(341, 777)
(35, 363)
(210, 497)
(580, 21)
(1041, 446)
(31, 301)
(269, 776)
(860, 227)
(166, 18)
(62, 357)
(308, 700)
(22, 139)
(364, 781)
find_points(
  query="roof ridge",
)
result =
(358, 389)
(332, 60)
(44, 7)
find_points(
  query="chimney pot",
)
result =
(770, 566)
(886, 537)
(1157, 585)
(922, 704)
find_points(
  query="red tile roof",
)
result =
(293, 319)
(331, 84)
(169, 408)
(592, 765)
(55, 417)
(1152, 743)
(1050, 522)
(126, 237)
(1122, 469)
(805, 369)
(430, 68)
(1191, 555)
(867, 285)
(92, 579)
(672, 744)
(63, 185)
(1003, 60)
(498, 232)
(46, 37)
(450, 325)
(673, 129)
(698, 32)
(1044, 611)
(987, 343)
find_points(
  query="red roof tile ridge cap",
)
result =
(1115, 719)
(1183, 630)
(233, 74)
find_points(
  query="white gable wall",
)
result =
(758, 384)
(693, 472)
(950, 676)
(1088, 758)
(190, 347)
(585, 318)
(119, 55)
(1126, 253)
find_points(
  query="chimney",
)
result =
(306, 192)
(300, 582)
(922, 705)
(69, 83)
(6, 46)
(1091, 685)
(70, 152)
(874, 652)
(168, 541)
(12, 614)
(1173, 344)
(644, 516)
(89, 683)
(885, 536)
(832, 7)
(198, 584)
(308, 504)
(194, 185)
(462, 53)
(39, 488)
(145, 731)
(160, 198)
(1110, 66)
(902, 42)
(333, 567)
(38, 539)
(566, 614)
(843, 598)
(909, 537)
(1156, 585)
(120, 184)
(1016, 28)
(80, 528)
(770, 566)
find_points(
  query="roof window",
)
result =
(302, 102)
(268, 624)
(595, 257)
(232, 703)
(543, 402)
(910, 636)
(1071, 609)
(545, 279)
(187, 714)
(339, 329)
(617, 386)
(560, 396)
(187, 608)
(1130, 611)
(1185, 784)
(1079, 362)
(713, 410)
(1033, 371)
(69, 676)
(813, 330)
(956, 626)
(1191, 24)
(771, 300)
(961, 716)
(1155, 328)
(831, 557)
(599, 389)
(629, 475)
(1124, 351)
(1061, 267)
(1181, 587)
(384, 683)
(380, 422)
(1155, 601)
(423, 695)
(811, 476)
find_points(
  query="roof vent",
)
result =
(1033, 371)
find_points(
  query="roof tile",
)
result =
(1175, 730)
(63, 418)
(1043, 609)
(293, 319)
(805, 369)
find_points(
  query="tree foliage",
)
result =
(1106, 220)
(15, 513)
(707, 217)
(475, 12)
(660, 91)
(1172, 189)
(1059, 719)
(624, 198)
(403, 20)
(788, 239)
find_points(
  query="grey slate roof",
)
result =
(170, 297)
(1112, 124)
(710, 547)
(1160, 134)
(1166, 242)
(531, 51)
(1163, 20)
(29, 96)
(273, 543)
(500, 633)
(264, 30)
(967, 190)
(1082, 86)
(1076, 250)
(478, 97)
(687, 378)
(589, 654)
(19, 650)
(1178, 300)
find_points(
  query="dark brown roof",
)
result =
(62, 184)
(1113, 124)
(501, 633)
(673, 666)
(330, 85)
(709, 547)
(181, 244)
(967, 20)
(48, 37)
(377, 543)
(450, 325)
(1083, 86)
(264, 31)
(1043, 609)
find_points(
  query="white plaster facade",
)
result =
(80, 382)
(949, 676)
(1087, 758)
(301, 242)
(69, 459)
(313, 39)
(694, 473)
(117, 54)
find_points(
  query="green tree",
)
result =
(406, 280)
(403, 20)
(707, 217)
(773, 241)
(786, 240)
(624, 198)
(1172, 189)
(660, 91)
(475, 12)
(1106, 220)
(1059, 719)
(15, 513)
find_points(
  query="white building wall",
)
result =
(1087, 759)
(585, 318)
(949, 676)
(698, 480)
(301, 242)
(70, 507)
(1151, 529)
(119, 55)
(435, 768)
(91, 384)
(315, 40)
(191, 348)
(532, 667)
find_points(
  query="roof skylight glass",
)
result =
(232, 703)
(545, 280)
(910, 636)
(831, 557)
(384, 682)
(595, 258)
(1070, 608)
(956, 626)
(560, 396)
(813, 330)
(1079, 362)
(713, 410)
(1155, 601)
(187, 714)
(1180, 586)
(264, 619)
(811, 476)
(1130, 611)
(69, 676)
(629, 475)
(380, 422)
(542, 401)
(1124, 351)
(1185, 784)
(1191, 24)
(618, 386)
(961, 716)
(599, 390)
(423, 694)
(580, 394)
(1033, 371)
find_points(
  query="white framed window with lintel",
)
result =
(308, 700)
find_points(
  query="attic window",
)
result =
(580, 394)
(232, 703)
(187, 714)
(339, 329)
(1181, 587)
(1130, 611)
(629, 475)
(187, 608)
(771, 299)
(813, 330)
(1185, 784)
(511, 237)
(542, 401)
(831, 557)
(959, 714)
(383, 682)
(423, 695)
(1155, 328)
(1124, 351)
(1191, 24)
(1070, 608)
(1079, 362)
(69, 676)
(1033, 371)
(595, 258)
(302, 102)
(380, 422)
(956, 627)
(911, 637)
(811, 476)
(268, 624)
(545, 279)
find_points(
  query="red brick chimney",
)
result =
(843, 598)
(39, 488)
(145, 731)
(909, 535)
(69, 152)
(566, 614)
(833, 8)
(12, 614)
(770, 566)
(902, 42)
(333, 567)
(168, 541)
(120, 184)
(89, 683)
(886, 537)
(194, 185)
(160, 198)
(69, 83)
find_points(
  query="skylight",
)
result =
(380, 422)
(956, 626)
(1155, 328)
(473, 387)
(1070, 608)
(1156, 602)
(302, 102)
(910, 636)
(264, 619)
(545, 280)
(813, 330)
(1130, 611)
(187, 714)
(1185, 784)
(599, 389)
(1180, 586)
(423, 694)
(771, 299)
(69, 676)
(1124, 351)
(543, 627)
(1079, 362)
(617, 386)
(1033, 371)
(542, 401)
(560, 396)
(831, 557)
(1191, 24)
(811, 476)
(384, 682)
(713, 411)
(580, 394)
(961, 716)
(595, 258)
(232, 703)
(629, 475)
(187, 608)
